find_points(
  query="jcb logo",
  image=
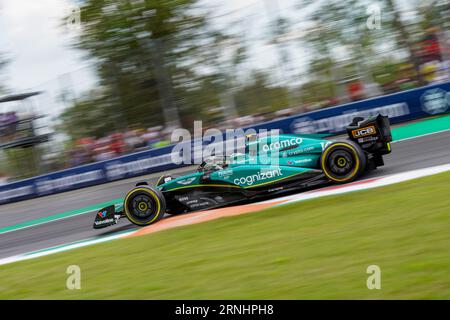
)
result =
(363, 132)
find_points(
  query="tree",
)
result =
(404, 39)
(85, 118)
(343, 24)
(146, 54)
(258, 96)
(339, 24)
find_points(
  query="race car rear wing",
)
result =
(372, 134)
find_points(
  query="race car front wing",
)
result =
(108, 216)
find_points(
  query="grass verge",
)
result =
(316, 249)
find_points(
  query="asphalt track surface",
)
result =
(417, 153)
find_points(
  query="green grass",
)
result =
(309, 250)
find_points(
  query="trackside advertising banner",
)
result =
(403, 106)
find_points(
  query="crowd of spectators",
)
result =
(14, 126)
(89, 149)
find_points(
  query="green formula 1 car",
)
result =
(280, 164)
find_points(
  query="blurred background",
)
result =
(85, 81)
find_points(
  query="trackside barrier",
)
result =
(400, 107)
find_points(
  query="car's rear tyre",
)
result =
(343, 161)
(144, 205)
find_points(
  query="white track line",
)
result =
(363, 184)
(61, 248)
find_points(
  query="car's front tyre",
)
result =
(144, 205)
(343, 161)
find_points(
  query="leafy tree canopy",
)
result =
(146, 53)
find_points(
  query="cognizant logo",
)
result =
(282, 144)
(262, 175)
